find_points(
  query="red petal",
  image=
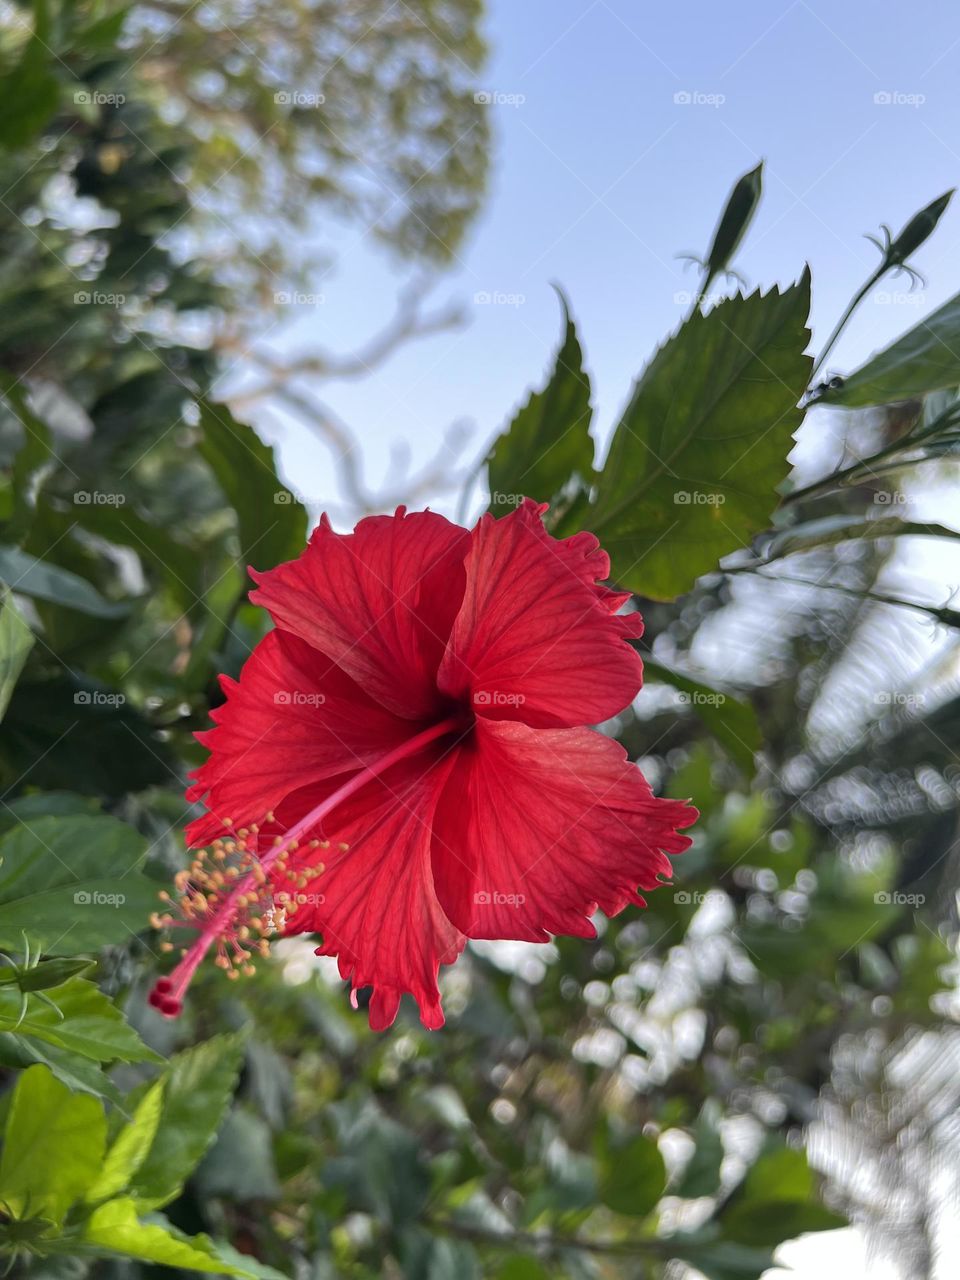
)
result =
(379, 602)
(536, 638)
(537, 828)
(375, 902)
(293, 719)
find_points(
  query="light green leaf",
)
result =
(84, 1022)
(731, 721)
(695, 462)
(16, 641)
(200, 1084)
(32, 577)
(73, 884)
(272, 523)
(52, 1148)
(116, 1229)
(130, 1147)
(926, 358)
(548, 442)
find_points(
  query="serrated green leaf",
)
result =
(116, 1229)
(84, 1022)
(548, 442)
(130, 1148)
(271, 522)
(52, 1147)
(702, 446)
(16, 641)
(80, 1075)
(72, 884)
(926, 358)
(199, 1085)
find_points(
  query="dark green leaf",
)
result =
(548, 442)
(44, 581)
(633, 1178)
(272, 523)
(695, 463)
(72, 884)
(926, 358)
(732, 721)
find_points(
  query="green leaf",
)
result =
(695, 462)
(72, 884)
(240, 1164)
(271, 522)
(16, 641)
(32, 577)
(31, 94)
(52, 722)
(548, 442)
(634, 1178)
(43, 976)
(829, 530)
(732, 721)
(116, 1229)
(200, 1084)
(720, 1259)
(52, 1147)
(776, 1201)
(80, 1075)
(84, 1022)
(130, 1147)
(701, 1176)
(926, 358)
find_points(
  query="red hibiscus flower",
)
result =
(405, 763)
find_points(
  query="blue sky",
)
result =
(601, 175)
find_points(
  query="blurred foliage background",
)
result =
(770, 1049)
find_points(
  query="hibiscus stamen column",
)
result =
(219, 911)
